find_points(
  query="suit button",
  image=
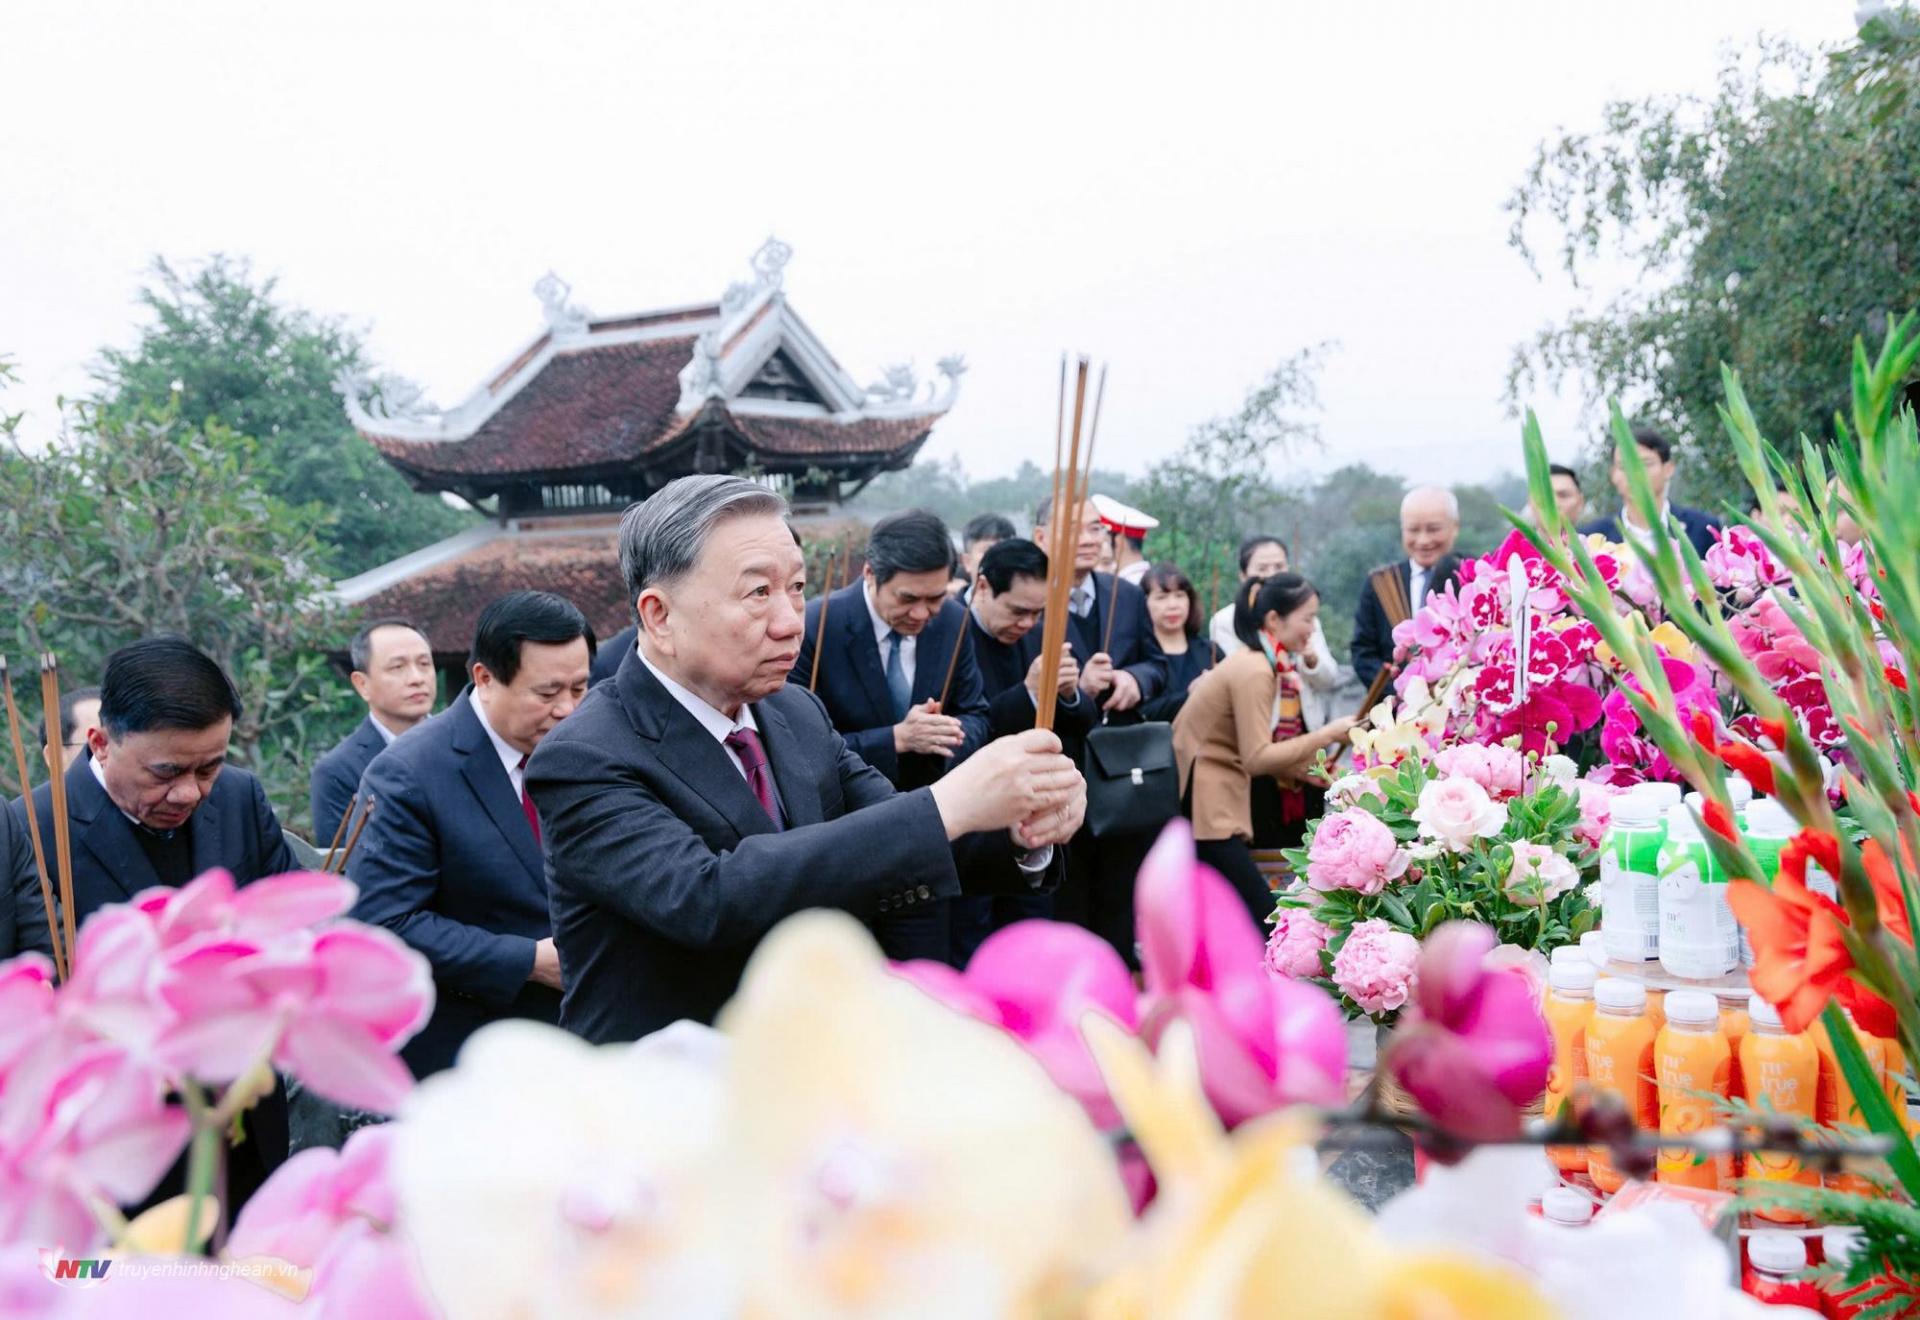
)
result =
(924, 892)
(885, 904)
(907, 898)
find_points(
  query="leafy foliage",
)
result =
(222, 347)
(1768, 224)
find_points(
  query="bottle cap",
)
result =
(1662, 793)
(1767, 819)
(1635, 810)
(1696, 1008)
(1565, 1205)
(1575, 976)
(1838, 1245)
(1594, 945)
(1777, 1252)
(1617, 992)
(1761, 1012)
(1681, 825)
(1740, 791)
(1568, 953)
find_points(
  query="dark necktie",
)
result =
(897, 686)
(745, 744)
(526, 803)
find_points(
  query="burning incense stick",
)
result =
(953, 661)
(820, 632)
(33, 822)
(354, 838)
(1375, 691)
(1065, 536)
(339, 831)
(57, 789)
(1213, 605)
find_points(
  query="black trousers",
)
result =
(1232, 859)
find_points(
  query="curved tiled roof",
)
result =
(446, 599)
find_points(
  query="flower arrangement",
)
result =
(1475, 832)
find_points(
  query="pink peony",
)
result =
(1354, 850)
(1472, 1049)
(1037, 980)
(1499, 769)
(1538, 875)
(1455, 811)
(1294, 944)
(1375, 968)
(1264, 1042)
(1596, 813)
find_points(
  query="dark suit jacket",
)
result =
(233, 828)
(1373, 632)
(1131, 647)
(336, 778)
(1003, 672)
(606, 660)
(1698, 525)
(664, 872)
(22, 880)
(449, 864)
(853, 684)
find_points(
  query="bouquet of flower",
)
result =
(1477, 832)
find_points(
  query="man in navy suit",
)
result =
(1429, 526)
(1656, 455)
(393, 673)
(1121, 666)
(699, 798)
(891, 639)
(155, 803)
(451, 858)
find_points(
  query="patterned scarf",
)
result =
(1288, 721)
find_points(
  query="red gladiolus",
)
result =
(1913, 800)
(1750, 763)
(1878, 611)
(1720, 820)
(1776, 732)
(1799, 957)
(1702, 725)
(1895, 677)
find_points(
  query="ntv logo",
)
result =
(71, 1270)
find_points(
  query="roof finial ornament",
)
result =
(770, 261)
(562, 316)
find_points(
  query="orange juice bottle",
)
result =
(1568, 1010)
(1691, 1062)
(1657, 1008)
(1733, 1025)
(1620, 1062)
(1782, 1074)
(1834, 1102)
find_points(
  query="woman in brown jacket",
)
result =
(1242, 720)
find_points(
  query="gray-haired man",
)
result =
(696, 799)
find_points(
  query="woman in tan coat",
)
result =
(1242, 720)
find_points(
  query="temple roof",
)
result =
(630, 402)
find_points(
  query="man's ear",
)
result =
(655, 613)
(97, 742)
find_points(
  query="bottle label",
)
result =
(1699, 937)
(1629, 911)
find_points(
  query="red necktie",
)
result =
(745, 744)
(526, 803)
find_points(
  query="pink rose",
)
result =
(1596, 813)
(1495, 767)
(1375, 967)
(1456, 811)
(1354, 850)
(1538, 875)
(1293, 946)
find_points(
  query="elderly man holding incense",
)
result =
(699, 797)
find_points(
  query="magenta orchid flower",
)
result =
(1471, 1049)
(1263, 1041)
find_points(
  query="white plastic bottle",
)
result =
(1630, 879)
(1566, 1206)
(1699, 939)
(1594, 945)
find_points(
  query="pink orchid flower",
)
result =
(301, 1209)
(1263, 1041)
(1472, 1049)
(1037, 980)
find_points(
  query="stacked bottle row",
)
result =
(1671, 1068)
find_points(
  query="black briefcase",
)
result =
(1133, 781)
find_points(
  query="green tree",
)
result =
(136, 522)
(1769, 224)
(222, 346)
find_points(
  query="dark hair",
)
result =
(912, 542)
(986, 527)
(1281, 594)
(360, 649)
(1254, 542)
(1650, 437)
(524, 616)
(1014, 557)
(1562, 470)
(1168, 577)
(164, 683)
(69, 698)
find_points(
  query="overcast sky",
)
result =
(1192, 190)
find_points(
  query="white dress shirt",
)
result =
(1417, 579)
(909, 645)
(1640, 535)
(388, 735)
(711, 719)
(510, 756)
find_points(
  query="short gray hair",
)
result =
(1448, 500)
(662, 536)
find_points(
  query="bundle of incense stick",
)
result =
(328, 865)
(1375, 691)
(826, 599)
(54, 936)
(57, 789)
(1063, 532)
(960, 639)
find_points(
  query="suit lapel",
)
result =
(480, 766)
(206, 834)
(697, 761)
(798, 793)
(859, 649)
(934, 653)
(104, 833)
